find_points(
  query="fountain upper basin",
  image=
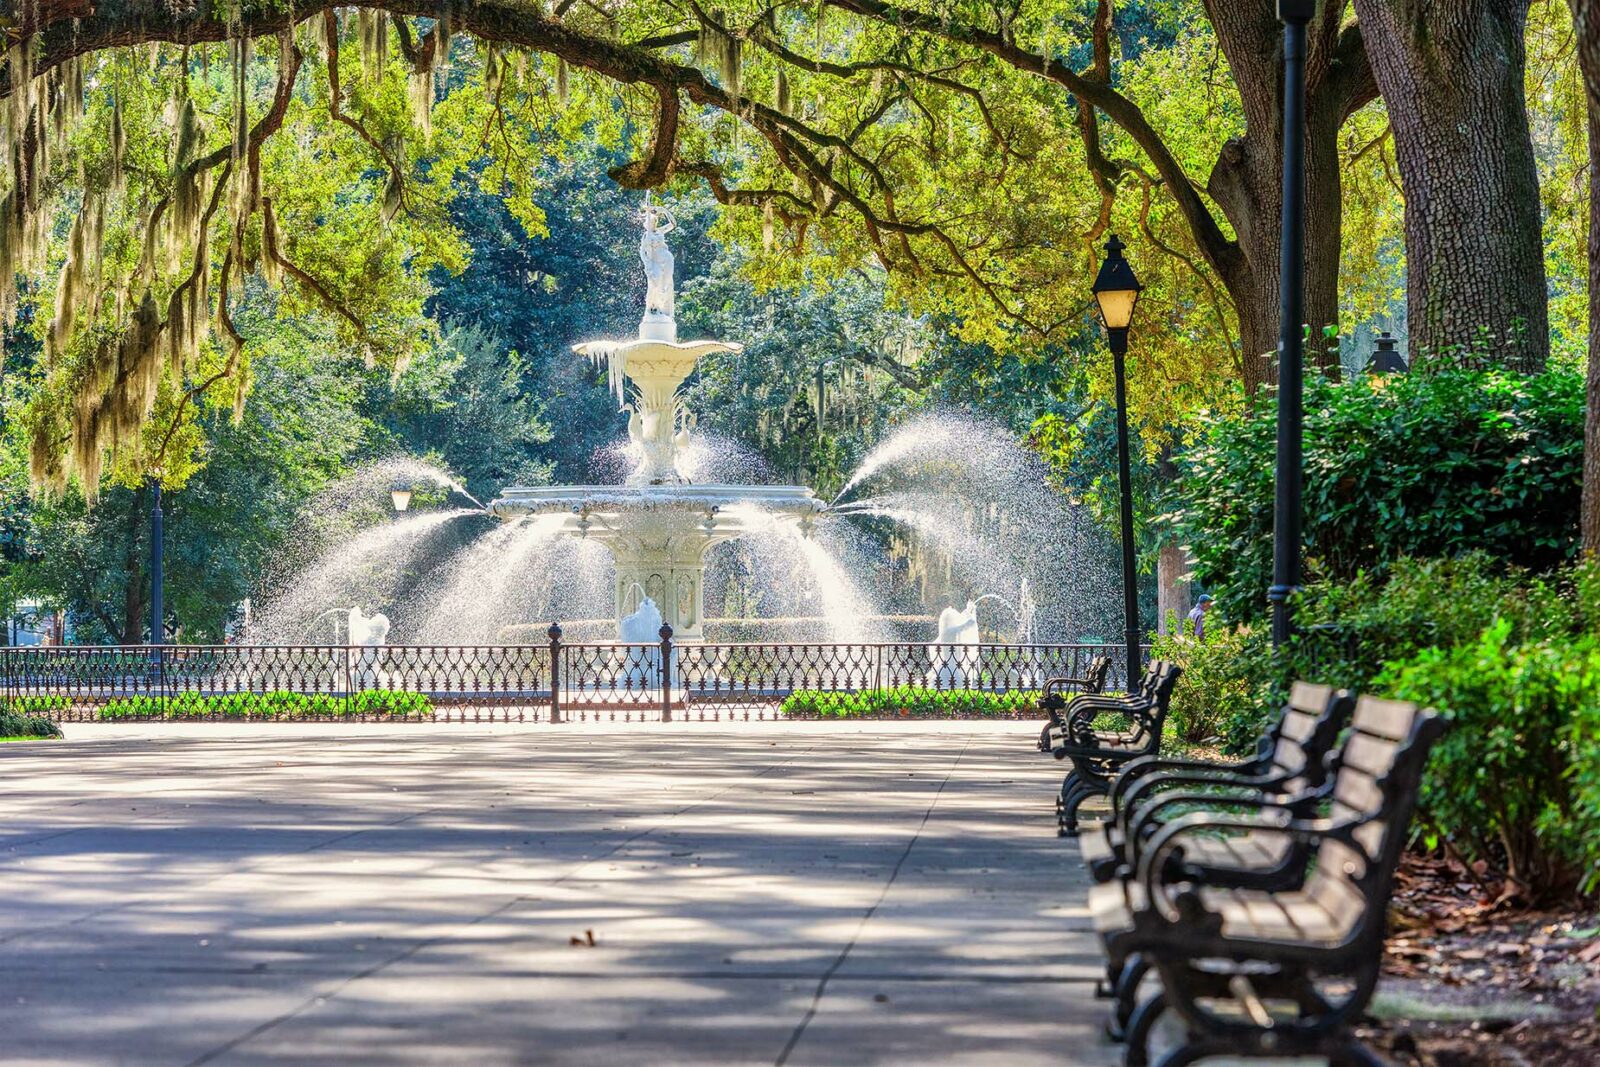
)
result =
(733, 504)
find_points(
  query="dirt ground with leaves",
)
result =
(1473, 978)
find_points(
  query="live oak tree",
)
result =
(927, 138)
(976, 150)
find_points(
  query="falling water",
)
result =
(801, 574)
(963, 492)
(364, 570)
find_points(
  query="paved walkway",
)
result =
(804, 894)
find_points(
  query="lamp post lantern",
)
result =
(400, 497)
(1116, 294)
(1294, 14)
(1387, 359)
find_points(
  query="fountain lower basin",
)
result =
(659, 534)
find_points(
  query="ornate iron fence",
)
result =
(516, 683)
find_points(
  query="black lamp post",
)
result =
(1116, 292)
(1294, 14)
(157, 607)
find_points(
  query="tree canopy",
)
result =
(913, 193)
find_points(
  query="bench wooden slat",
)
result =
(1385, 718)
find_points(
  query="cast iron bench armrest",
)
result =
(1143, 721)
(1152, 863)
(1051, 684)
(1148, 790)
(1097, 702)
(1094, 752)
(1054, 704)
(1153, 810)
(1132, 778)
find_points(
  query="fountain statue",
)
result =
(660, 298)
(657, 525)
(365, 636)
(955, 651)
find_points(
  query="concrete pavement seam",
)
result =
(844, 954)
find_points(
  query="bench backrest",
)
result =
(1162, 676)
(1094, 679)
(1377, 773)
(1297, 744)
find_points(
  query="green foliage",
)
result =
(1224, 692)
(30, 716)
(273, 705)
(1501, 782)
(1350, 630)
(910, 702)
(1418, 465)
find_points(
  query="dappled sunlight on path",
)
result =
(775, 893)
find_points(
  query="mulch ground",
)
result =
(1510, 986)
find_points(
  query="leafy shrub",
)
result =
(1417, 465)
(1349, 630)
(1502, 780)
(1224, 692)
(910, 702)
(273, 705)
(29, 716)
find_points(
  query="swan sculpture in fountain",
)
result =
(657, 524)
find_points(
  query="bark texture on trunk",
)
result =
(1172, 588)
(1247, 181)
(1586, 16)
(1451, 73)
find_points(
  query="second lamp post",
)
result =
(1116, 292)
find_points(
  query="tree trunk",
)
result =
(1248, 186)
(1247, 181)
(1451, 73)
(1172, 588)
(1586, 15)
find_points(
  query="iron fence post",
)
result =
(666, 672)
(555, 671)
(349, 680)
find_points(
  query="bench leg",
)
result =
(1073, 791)
(1140, 1026)
(1068, 819)
(1127, 994)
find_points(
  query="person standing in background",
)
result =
(1198, 616)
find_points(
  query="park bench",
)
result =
(1282, 973)
(1289, 763)
(1098, 754)
(1062, 709)
(1053, 700)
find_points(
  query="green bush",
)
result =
(1428, 465)
(910, 702)
(1502, 781)
(274, 705)
(1224, 693)
(31, 716)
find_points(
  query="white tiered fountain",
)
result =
(658, 525)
